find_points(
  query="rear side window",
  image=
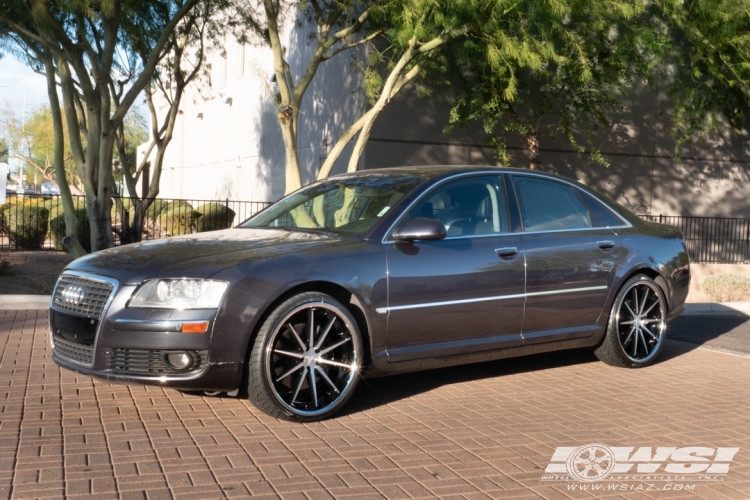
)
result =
(550, 206)
(603, 217)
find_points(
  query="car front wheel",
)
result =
(637, 325)
(306, 359)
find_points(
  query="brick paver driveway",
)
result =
(482, 431)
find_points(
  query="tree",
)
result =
(91, 45)
(600, 48)
(34, 144)
(201, 30)
(493, 45)
(336, 23)
(712, 46)
(4, 147)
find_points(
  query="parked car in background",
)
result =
(374, 273)
(50, 188)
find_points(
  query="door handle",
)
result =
(606, 244)
(506, 252)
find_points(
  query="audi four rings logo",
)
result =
(73, 294)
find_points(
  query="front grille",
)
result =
(150, 362)
(95, 296)
(75, 352)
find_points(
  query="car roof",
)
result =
(430, 172)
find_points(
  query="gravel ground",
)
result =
(32, 273)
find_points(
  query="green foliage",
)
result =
(561, 70)
(712, 49)
(214, 216)
(4, 150)
(178, 219)
(5, 269)
(26, 225)
(57, 229)
(135, 128)
(727, 287)
(37, 146)
(155, 209)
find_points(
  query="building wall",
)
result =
(227, 142)
(709, 179)
(235, 151)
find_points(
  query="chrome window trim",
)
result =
(625, 225)
(385, 310)
(94, 277)
(431, 189)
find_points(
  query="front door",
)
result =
(464, 293)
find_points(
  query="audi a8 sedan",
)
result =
(374, 273)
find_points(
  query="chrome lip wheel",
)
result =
(312, 361)
(640, 321)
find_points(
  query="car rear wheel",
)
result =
(637, 325)
(306, 359)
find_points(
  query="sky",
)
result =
(19, 75)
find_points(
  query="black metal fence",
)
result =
(712, 240)
(24, 226)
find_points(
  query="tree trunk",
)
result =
(532, 144)
(72, 224)
(289, 134)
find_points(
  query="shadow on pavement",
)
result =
(375, 392)
(726, 332)
(731, 332)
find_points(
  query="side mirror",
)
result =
(420, 229)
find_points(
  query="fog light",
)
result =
(179, 360)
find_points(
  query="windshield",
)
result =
(342, 205)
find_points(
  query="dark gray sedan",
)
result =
(372, 273)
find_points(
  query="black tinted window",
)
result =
(549, 206)
(602, 215)
(467, 207)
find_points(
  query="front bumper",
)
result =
(214, 377)
(134, 345)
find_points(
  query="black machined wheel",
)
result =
(306, 360)
(637, 325)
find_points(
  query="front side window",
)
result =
(549, 205)
(343, 205)
(467, 207)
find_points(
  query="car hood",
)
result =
(196, 255)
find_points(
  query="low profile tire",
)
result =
(305, 362)
(637, 325)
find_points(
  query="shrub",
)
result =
(156, 208)
(57, 230)
(5, 269)
(214, 216)
(180, 219)
(727, 287)
(127, 205)
(26, 225)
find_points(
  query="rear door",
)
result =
(570, 260)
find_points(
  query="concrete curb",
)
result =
(24, 302)
(717, 309)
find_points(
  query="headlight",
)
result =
(179, 294)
